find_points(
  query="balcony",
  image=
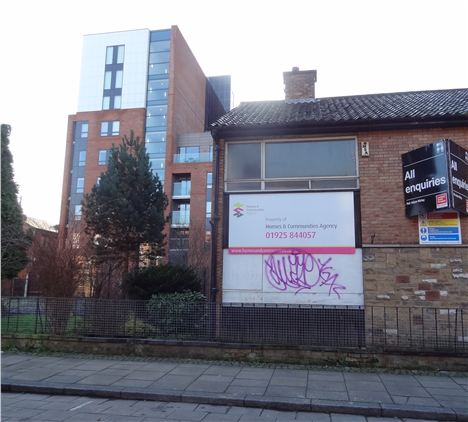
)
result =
(181, 189)
(196, 157)
(180, 219)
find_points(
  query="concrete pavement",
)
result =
(297, 389)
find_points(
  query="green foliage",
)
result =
(126, 209)
(14, 240)
(143, 283)
(178, 315)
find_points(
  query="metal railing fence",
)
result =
(374, 328)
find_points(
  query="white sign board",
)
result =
(316, 222)
(440, 228)
(294, 279)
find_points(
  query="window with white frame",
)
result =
(80, 185)
(102, 157)
(320, 164)
(78, 211)
(110, 128)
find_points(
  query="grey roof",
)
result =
(437, 105)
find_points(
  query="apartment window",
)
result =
(98, 180)
(78, 211)
(294, 165)
(102, 157)
(84, 130)
(157, 164)
(155, 137)
(115, 54)
(80, 185)
(110, 128)
(113, 77)
(82, 158)
(209, 186)
(106, 103)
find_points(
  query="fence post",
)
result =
(37, 313)
(8, 315)
(17, 312)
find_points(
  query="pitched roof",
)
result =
(437, 105)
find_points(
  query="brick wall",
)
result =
(381, 182)
(419, 276)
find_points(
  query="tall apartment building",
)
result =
(148, 82)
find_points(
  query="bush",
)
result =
(178, 315)
(143, 283)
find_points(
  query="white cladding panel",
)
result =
(135, 68)
(295, 279)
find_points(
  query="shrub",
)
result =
(178, 315)
(143, 283)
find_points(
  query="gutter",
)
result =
(214, 225)
(226, 132)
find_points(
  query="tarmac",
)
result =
(441, 396)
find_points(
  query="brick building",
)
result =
(326, 174)
(148, 82)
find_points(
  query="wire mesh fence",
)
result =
(381, 328)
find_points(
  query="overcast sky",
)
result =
(357, 47)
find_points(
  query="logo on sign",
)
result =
(238, 209)
(441, 200)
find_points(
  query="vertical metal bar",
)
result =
(449, 330)
(134, 319)
(455, 336)
(462, 329)
(385, 325)
(436, 321)
(423, 332)
(372, 325)
(9, 311)
(75, 301)
(397, 327)
(410, 315)
(17, 312)
(37, 313)
(46, 328)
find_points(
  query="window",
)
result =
(118, 79)
(80, 185)
(78, 210)
(120, 53)
(155, 137)
(115, 54)
(84, 129)
(293, 165)
(113, 77)
(310, 159)
(102, 158)
(82, 158)
(98, 180)
(156, 148)
(106, 103)
(157, 164)
(108, 80)
(110, 128)
(209, 186)
(244, 161)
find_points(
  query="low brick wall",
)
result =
(416, 276)
(238, 352)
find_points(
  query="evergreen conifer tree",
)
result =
(14, 240)
(126, 209)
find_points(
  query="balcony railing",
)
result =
(182, 189)
(180, 218)
(200, 157)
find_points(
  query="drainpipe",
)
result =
(214, 226)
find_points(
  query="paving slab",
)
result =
(294, 388)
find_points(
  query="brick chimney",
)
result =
(299, 83)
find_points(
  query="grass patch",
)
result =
(27, 324)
